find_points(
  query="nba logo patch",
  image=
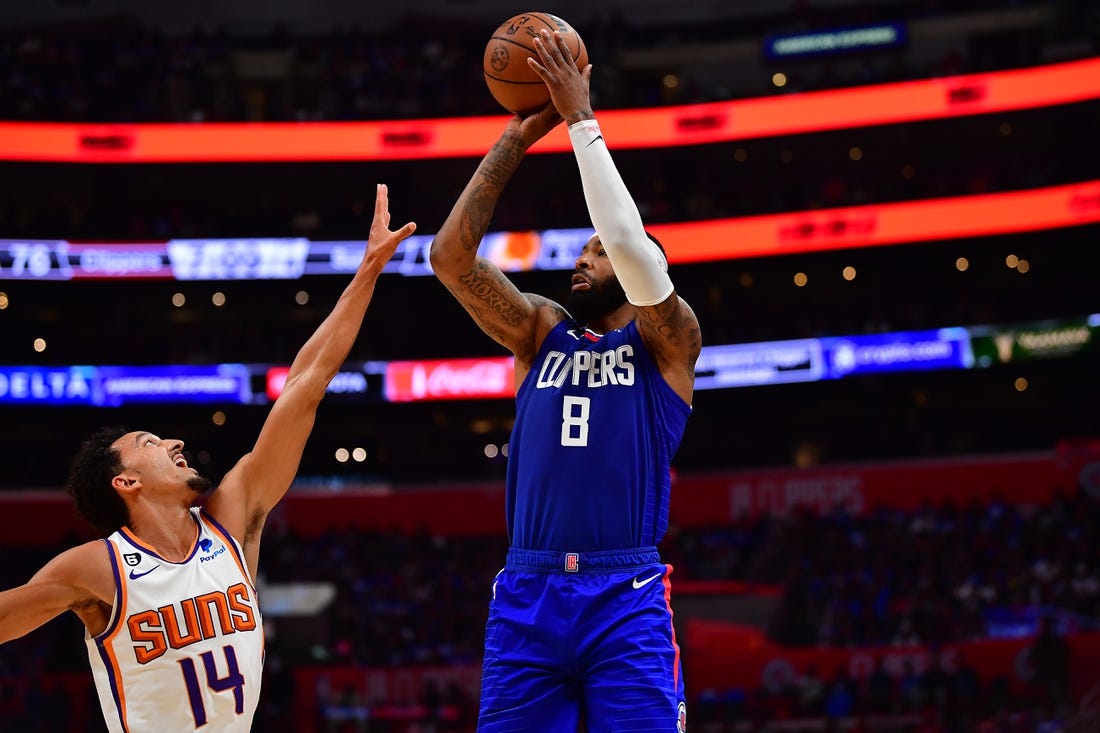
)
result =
(572, 562)
(132, 558)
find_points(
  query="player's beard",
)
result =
(199, 484)
(601, 298)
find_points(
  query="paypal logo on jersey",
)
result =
(588, 368)
(205, 544)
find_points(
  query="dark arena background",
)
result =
(885, 213)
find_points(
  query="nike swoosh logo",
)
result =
(134, 575)
(647, 581)
(598, 137)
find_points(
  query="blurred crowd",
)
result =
(401, 600)
(936, 700)
(943, 574)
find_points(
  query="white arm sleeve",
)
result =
(638, 263)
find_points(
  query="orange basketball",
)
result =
(513, 83)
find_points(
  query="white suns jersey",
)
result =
(184, 648)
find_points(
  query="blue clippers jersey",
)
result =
(596, 428)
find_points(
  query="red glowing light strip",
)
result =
(882, 224)
(470, 137)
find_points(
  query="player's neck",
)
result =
(614, 320)
(170, 530)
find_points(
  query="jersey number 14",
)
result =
(233, 680)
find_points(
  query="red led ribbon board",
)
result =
(470, 137)
(882, 224)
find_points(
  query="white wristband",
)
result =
(584, 132)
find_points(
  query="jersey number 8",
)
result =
(574, 421)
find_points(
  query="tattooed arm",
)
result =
(515, 320)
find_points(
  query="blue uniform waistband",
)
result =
(600, 561)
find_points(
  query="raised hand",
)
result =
(533, 126)
(569, 87)
(382, 242)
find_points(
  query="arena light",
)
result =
(946, 97)
(882, 224)
(828, 41)
(720, 366)
(818, 230)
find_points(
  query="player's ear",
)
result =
(126, 483)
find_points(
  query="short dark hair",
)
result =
(659, 245)
(94, 465)
(656, 242)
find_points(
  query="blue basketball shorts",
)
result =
(582, 639)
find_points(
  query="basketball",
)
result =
(513, 83)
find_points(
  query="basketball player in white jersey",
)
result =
(174, 632)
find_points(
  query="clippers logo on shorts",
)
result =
(186, 622)
(572, 562)
(681, 718)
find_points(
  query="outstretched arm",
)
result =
(666, 322)
(78, 580)
(511, 318)
(260, 479)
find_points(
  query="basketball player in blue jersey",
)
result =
(174, 632)
(580, 626)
